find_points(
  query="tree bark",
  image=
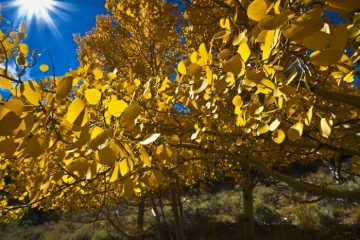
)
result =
(140, 219)
(248, 203)
(175, 210)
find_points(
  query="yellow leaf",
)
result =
(144, 156)
(308, 116)
(15, 105)
(44, 67)
(125, 166)
(227, 24)
(203, 52)
(164, 152)
(116, 107)
(9, 121)
(150, 139)
(237, 101)
(30, 90)
(262, 129)
(182, 68)
(106, 156)
(269, 43)
(274, 125)
(194, 57)
(268, 83)
(127, 118)
(63, 88)
(75, 110)
(244, 51)
(349, 78)
(234, 65)
(209, 75)
(36, 145)
(273, 22)
(111, 75)
(98, 73)
(278, 136)
(24, 49)
(93, 96)
(257, 10)
(316, 41)
(325, 127)
(147, 94)
(238, 39)
(326, 57)
(5, 83)
(295, 132)
(7, 148)
(193, 69)
(344, 6)
(114, 176)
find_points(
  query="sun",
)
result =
(37, 8)
(40, 11)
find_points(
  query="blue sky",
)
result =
(77, 16)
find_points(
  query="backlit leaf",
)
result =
(237, 101)
(116, 107)
(44, 67)
(30, 90)
(181, 68)
(144, 156)
(98, 73)
(257, 10)
(75, 109)
(92, 96)
(24, 49)
(64, 86)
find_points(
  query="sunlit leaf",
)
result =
(75, 109)
(150, 139)
(92, 96)
(257, 10)
(295, 132)
(278, 136)
(181, 68)
(116, 107)
(98, 73)
(325, 127)
(274, 125)
(308, 116)
(237, 101)
(30, 90)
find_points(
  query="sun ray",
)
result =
(39, 11)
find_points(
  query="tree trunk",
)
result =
(175, 211)
(248, 203)
(140, 219)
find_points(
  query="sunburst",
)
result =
(40, 11)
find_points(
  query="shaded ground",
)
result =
(210, 213)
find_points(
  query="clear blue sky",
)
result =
(76, 16)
